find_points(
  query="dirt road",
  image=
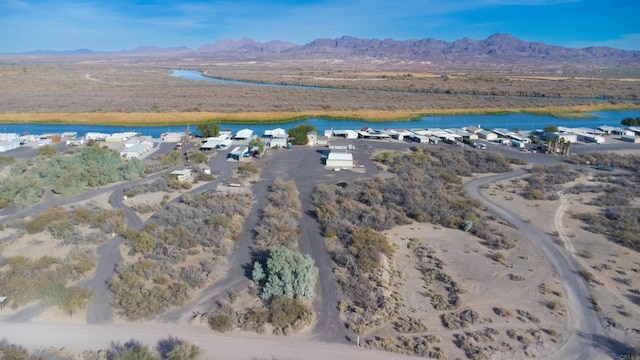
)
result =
(244, 346)
(587, 339)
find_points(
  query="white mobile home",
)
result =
(487, 135)
(277, 142)
(6, 145)
(244, 134)
(347, 134)
(275, 133)
(631, 138)
(182, 175)
(225, 144)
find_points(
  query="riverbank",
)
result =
(185, 118)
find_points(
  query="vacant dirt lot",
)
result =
(615, 269)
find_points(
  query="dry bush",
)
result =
(221, 322)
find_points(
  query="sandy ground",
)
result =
(487, 285)
(615, 268)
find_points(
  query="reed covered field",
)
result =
(144, 93)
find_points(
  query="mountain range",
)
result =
(497, 49)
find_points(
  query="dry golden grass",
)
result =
(178, 118)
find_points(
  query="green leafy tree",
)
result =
(257, 142)
(299, 133)
(289, 273)
(631, 121)
(210, 128)
(550, 129)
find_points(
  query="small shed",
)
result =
(339, 160)
(182, 175)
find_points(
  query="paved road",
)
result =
(587, 339)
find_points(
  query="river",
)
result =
(523, 122)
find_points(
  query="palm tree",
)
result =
(567, 146)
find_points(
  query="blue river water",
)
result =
(524, 122)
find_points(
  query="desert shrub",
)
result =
(618, 223)
(544, 181)
(287, 314)
(527, 315)
(497, 256)
(24, 280)
(247, 169)
(515, 277)
(409, 325)
(502, 312)
(47, 151)
(197, 157)
(66, 298)
(173, 348)
(367, 246)
(49, 219)
(553, 304)
(471, 348)
(455, 321)
(132, 349)
(257, 318)
(221, 322)
(157, 283)
(279, 219)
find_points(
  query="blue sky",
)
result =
(118, 24)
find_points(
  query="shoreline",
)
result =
(252, 118)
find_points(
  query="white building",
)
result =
(347, 134)
(6, 145)
(136, 151)
(96, 136)
(173, 137)
(277, 142)
(120, 137)
(69, 134)
(276, 133)
(634, 129)
(182, 175)
(606, 129)
(339, 160)
(487, 135)
(502, 132)
(75, 142)
(225, 144)
(244, 134)
(9, 136)
(210, 144)
(630, 138)
(463, 133)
